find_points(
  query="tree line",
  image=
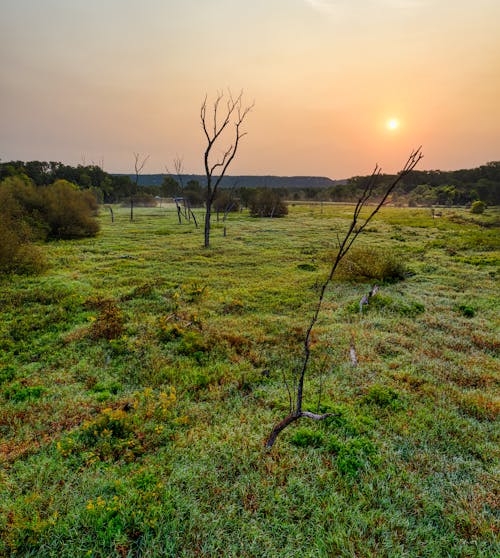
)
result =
(425, 188)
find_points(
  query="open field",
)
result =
(141, 374)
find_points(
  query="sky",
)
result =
(95, 81)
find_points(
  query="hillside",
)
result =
(247, 181)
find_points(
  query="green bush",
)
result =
(18, 393)
(31, 213)
(382, 396)
(478, 207)
(17, 254)
(70, 212)
(356, 454)
(7, 374)
(18, 228)
(466, 310)
(367, 263)
(267, 203)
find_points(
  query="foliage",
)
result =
(109, 324)
(267, 203)
(18, 392)
(382, 396)
(373, 264)
(194, 193)
(226, 202)
(70, 213)
(31, 214)
(466, 310)
(477, 207)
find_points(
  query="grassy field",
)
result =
(141, 374)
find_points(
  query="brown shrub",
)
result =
(109, 323)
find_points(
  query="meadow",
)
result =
(141, 374)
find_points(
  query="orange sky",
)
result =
(89, 80)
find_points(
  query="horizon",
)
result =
(338, 86)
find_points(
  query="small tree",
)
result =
(356, 227)
(478, 207)
(139, 164)
(214, 128)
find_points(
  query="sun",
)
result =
(393, 124)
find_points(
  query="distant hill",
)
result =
(292, 182)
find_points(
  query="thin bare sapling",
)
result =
(356, 227)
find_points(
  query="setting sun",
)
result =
(393, 124)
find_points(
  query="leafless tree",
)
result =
(185, 208)
(214, 126)
(139, 164)
(356, 227)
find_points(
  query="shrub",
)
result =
(382, 396)
(169, 332)
(109, 322)
(18, 393)
(17, 254)
(466, 310)
(226, 201)
(7, 374)
(366, 263)
(69, 212)
(478, 207)
(18, 229)
(267, 203)
(109, 436)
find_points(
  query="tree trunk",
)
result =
(207, 225)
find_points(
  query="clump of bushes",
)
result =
(18, 392)
(368, 263)
(267, 203)
(383, 396)
(478, 207)
(226, 202)
(466, 310)
(31, 214)
(69, 212)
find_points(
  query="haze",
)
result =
(93, 81)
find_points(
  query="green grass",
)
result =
(141, 374)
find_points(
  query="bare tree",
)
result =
(186, 205)
(356, 227)
(215, 167)
(139, 164)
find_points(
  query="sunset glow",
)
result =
(89, 80)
